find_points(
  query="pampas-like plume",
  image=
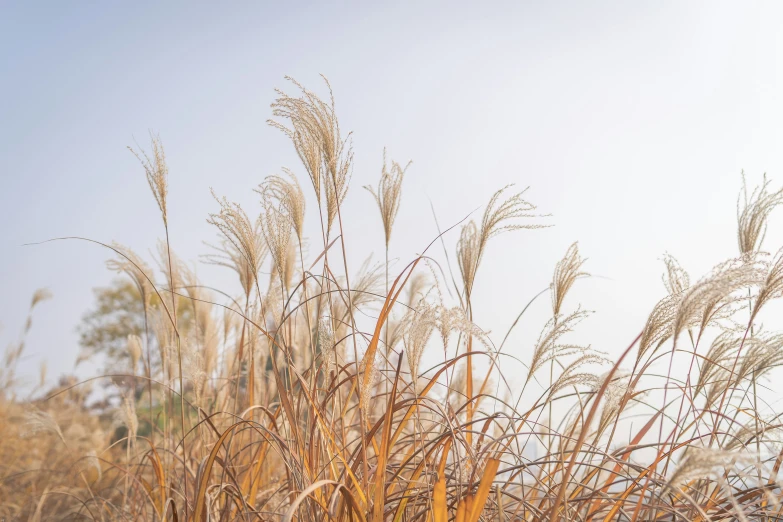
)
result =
(171, 267)
(548, 346)
(37, 421)
(289, 267)
(205, 335)
(469, 254)
(246, 252)
(752, 214)
(315, 133)
(389, 193)
(762, 353)
(126, 416)
(287, 194)
(617, 392)
(701, 304)
(366, 289)
(325, 339)
(675, 279)
(415, 289)
(567, 271)
(417, 336)
(229, 256)
(157, 173)
(195, 366)
(40, 295)
(772, 286)
(276, 228)
(130, 264)
(368, 383)
(573, 374)
(712, 297)
(454, 319)
(165, 334)
(699, 462)
(498, 217)
(134, 350)
(242, 249)
(658, 328)
(715, 371)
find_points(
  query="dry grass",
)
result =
(308, 397)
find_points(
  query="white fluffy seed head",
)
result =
(134, 350)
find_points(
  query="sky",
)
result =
(630, 122)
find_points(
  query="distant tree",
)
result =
(119, 312)
(104, 330)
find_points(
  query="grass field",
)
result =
(323, 392)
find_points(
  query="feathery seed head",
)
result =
(277, 226)
(126, 416)
(567, 271)
(37, 421)
(157, 172)
(772, 286)
(134, 350)
(711, 298)
(762, 353)
(573, 374)
(617, 392)
(468, 254)
(715, 374)
(675, 279)
(286, 194)
(417, 336)
(325, 340)
(498, 217)
(242, 249)
(130, 264)
(389, 193)
(40, 295)
(548, 346)
(752, 214)
(700, 462)
(367, 385)
(315, 133)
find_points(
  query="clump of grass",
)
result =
(314, 392)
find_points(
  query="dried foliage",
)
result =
(305, 394)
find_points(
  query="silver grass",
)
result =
(675, 279)
(752, 214)
(243, 250)
(36, 421)
(499, 216)
(567, 271)
(548, 347)
(285, 192)
(315, 133)
(157, 173)
(388, 194)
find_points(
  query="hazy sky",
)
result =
(631, 122)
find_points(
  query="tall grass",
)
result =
(323, 393)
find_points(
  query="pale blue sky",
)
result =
(631, 122)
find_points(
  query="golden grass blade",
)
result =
(201, 492)
(462, 508)
(485, 486)
(383, 455)
(439, 506)
(446, 442)
(160, 476)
